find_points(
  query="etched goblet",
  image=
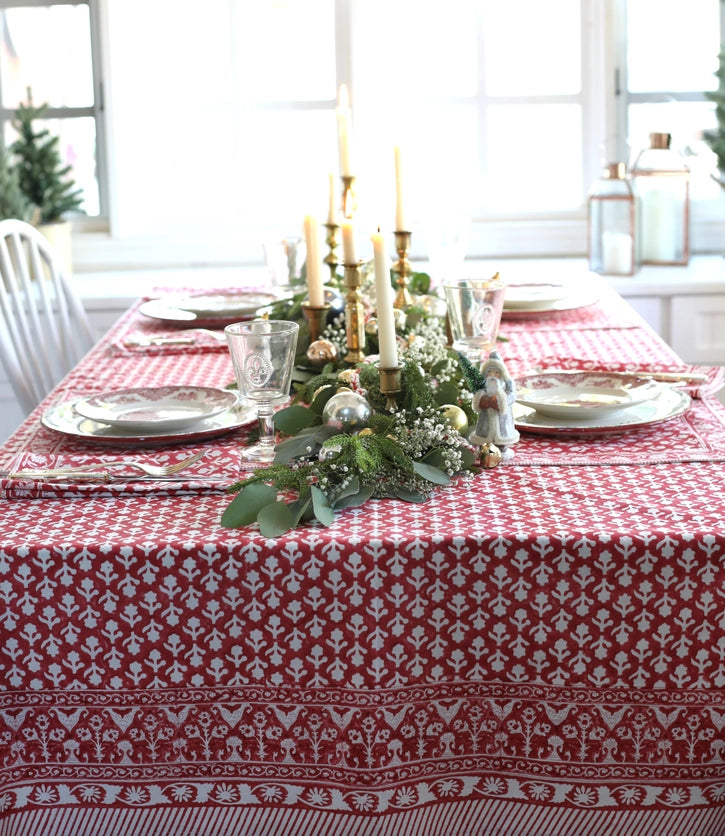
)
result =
(263, 356)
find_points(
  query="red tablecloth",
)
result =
(537, 651)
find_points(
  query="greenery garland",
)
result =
(404, 453)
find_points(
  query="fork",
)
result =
(97, 471)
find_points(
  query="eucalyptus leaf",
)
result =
(353, 486)
(318, 402)
(297, 445)
(434, 457)
(401, 492)
(292, 419)
(468, 457)
(245, 506)
(354, 499)
(300, 507)
(432, 474)
(275, 519)
(447, 393)
(321, 504)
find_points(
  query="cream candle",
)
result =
(348, 242)
(617, 253)
(344, 132)
(388, 345)
(399, 201)
(332, 216)
(315, 293)
(658, 213)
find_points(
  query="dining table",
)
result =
(536, 650)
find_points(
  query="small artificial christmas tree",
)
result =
(716, 139)
(13, 203)
(42, 177)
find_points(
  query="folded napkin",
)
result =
(218, 469)
(714, 375)
(155, 341)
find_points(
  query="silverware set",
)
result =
(106, 471)
(187, 337)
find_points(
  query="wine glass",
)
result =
(263, 355)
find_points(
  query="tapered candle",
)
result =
(348, 242)
(387, 342)
(399, 202)
(344, 132)
(315, 293)
(332, 211)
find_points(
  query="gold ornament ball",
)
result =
(321, 352)
(366, 431)
(321, 389)
(490, 456)
(455, 416)
(345, 376)
(371, 327)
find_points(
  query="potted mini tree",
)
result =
(43, 178)
(716, 138)
(13, 202)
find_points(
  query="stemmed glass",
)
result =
(263, 355)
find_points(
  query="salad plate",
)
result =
(669, 404)
(62, 418)
(149, 409)
(581, 395)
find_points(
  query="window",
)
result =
(48, 55)
(221, 115)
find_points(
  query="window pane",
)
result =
(544, 173)
(286, 50)
(49, 50)
(672, 46)
(424, 49)
(532, 48)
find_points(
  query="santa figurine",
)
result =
(493, 399)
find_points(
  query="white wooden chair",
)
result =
(44, 329)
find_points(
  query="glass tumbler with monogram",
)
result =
(474, 314)
(263, 356)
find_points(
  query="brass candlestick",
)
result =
(402, 269)
(316, 318)
(390, 386)
(354, 314)
(348, 195)
(331, 259)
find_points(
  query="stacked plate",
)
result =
(581, 403)
(150, 415)
(536, 299)
(208, 309)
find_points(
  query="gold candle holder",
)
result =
(390, 386)
(402, 269)
(349, 203)
(316, 318)
(331, 259)
(354, 314)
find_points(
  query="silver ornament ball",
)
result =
(347, 411)
(321, 352)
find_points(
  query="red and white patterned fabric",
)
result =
(536, 651)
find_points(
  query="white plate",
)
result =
(170, 309)
(573, 299)
(156, 408)
(667, 405)
(62, 418)
(533, 296)
(225, 304)
(583, 395)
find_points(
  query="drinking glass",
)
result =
(284, 260)
(474, 313)
(263, 355)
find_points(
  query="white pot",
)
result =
(58, 234)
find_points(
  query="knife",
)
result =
(71, 475)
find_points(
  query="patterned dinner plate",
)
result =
(669, 404)
(208, 310)
(62, 418)
(584, 395)
(156, 408)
